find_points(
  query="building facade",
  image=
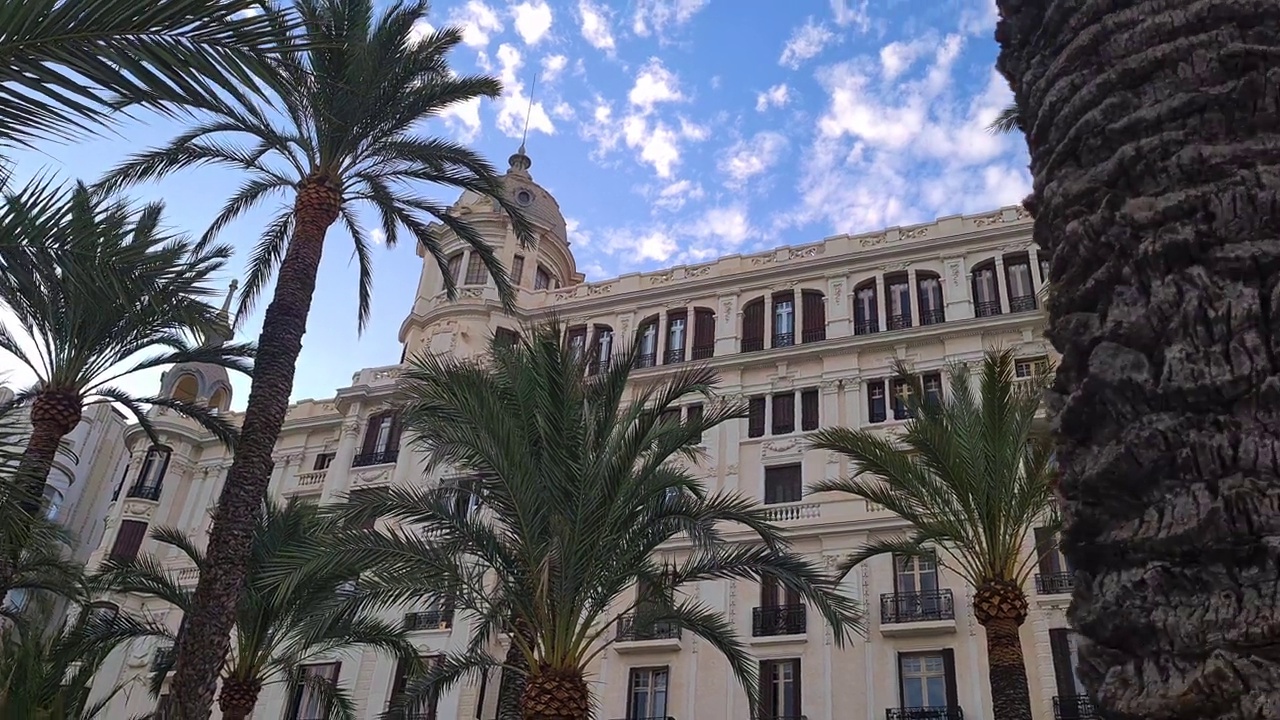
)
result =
(808, 335)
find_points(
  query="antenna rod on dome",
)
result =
(231, 291)
(529, 112)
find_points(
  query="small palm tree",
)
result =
(1008, 121)
(277, 629)
(343, 132)
(67, 66)
(972, 474)
(47, 666)
(78, 337)
(578, 489)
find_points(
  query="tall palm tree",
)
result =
(1154, 193)
(79, 337)
(572, 491)
(67, 66)
(972, 474)
(346, 133)
(277, 629)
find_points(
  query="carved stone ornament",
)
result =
(805, 252)
(697, 272)
(914, 233)
(727, 306)
(873, 240)
(351, 427)
(602, 289)
(780, 446)
(837, 289)
(764, 259)
(665, 277)
(372, 477)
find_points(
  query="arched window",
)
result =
(929, 295)
(813, 313)
(784, 319)
(219, 400)
(1022, 293)
(601, 349)
(897, 301)
(455, 266)
(647, 334)
(577, 338)
(866, 312)
(986, 289)
(151, 477)
(187, 389)
(704, 333)
(381, 440)
(753, 325)
(677, 336)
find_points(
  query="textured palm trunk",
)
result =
(556, 695)
(1152, 128)
(511, 686)
(1001, 608)
(238, 697)
(202, 649)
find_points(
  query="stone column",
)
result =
(882, 304)
(336, 480)
(728, 323)
(1000, 291)
(1033, 257)
(913, 296)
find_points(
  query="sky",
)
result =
(670, 131)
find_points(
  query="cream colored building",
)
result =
(807, 333)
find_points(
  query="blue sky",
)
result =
(670, 131)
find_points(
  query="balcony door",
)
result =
(1072, 701)
(927, 680)
(307, 702)
(780, 689)
(916, 583)
(648, 694)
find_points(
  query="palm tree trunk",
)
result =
(203, 647)
(556, 695)
(1151, 129)
(511, 686)
(238, 697)
(1000, 607)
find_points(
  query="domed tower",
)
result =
(465, 326)
(202, 383)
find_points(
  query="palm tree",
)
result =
(1154, 194)
(277, 629)
(47, 666)
(1007, 121)
(67, 66)
(79, 337)
(345, 134)
(972, 474)
(572, 490)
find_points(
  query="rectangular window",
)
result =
(1044, 271)
(815, 316)
(783, 484)
(1051, 559)
(773, 594)
(128, 540)
(648, 345)
(307, 702)
(784, 413)
(541, 279)
(694, 416)
(932, 386)
(899, 305)
(455, 265)
(927, 680)
(676, 337)
(578, 343)
(902, 393)
(517, 270)
(505, 337)
(704, 333)
(670, 415)
(324, 460)
(755, 417)
(780, 689)
(809, 409)
(604, 346)
(930, 292)
(1026, 368)
(876, 401)
(753, 326)
(477, 273)
(866, 315)
(1019, 281)
(1063, 645)
(648, 699)
(424, 709)
(915, 574)
(784, 321)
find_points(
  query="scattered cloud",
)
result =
(654, 84)
(656, 16)
(478, 21)
(898, 57)
(377, 236)
(655, 244)
(777, 96)
(596, 26)
(420, 31)
(514, 105)
(532, 20)
(674, 195)
(805, 43)
(552, 66)
(852, 13)
(729, 225)
(746, 159)
(463, 119)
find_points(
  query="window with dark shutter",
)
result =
(875, 401)
(505, 337)
(517, 270)
(1047, 550)
(541, 279)
(783, 484)
(455, 265)
(931, 384)
(128, 540)
(784, 319)
(670, 415)
(753, 325)
(814, 309)
(809, 409)
(755, 417)
(780, 690)
(477, 274)
(773, 594)
(424, 709)
(1063, 663)
(784, 413)
(927, 680)
(324, 460)
(704, 333)
(307, 701)
(694, 416)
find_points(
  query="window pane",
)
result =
(912, 692)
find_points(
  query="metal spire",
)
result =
(533, 86)
(231, 291)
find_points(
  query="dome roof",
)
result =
(201, 382)
(520, 188)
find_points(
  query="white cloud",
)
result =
(654, 84)
(377, 236)
(552, 66)
(658, 144)
(693, 131)
(513, 106)
(806, 42)
(776, 96)
(532, 20)
(563, 111)
(420, 31)
(655, 16)
(655, 244)
(852, 12)
(674, 195)
(478, 22)
(729, 225)
(746, 159)
(898, 57)
(597, 26)
(463, 119)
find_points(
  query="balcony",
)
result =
(646, 360)
(781, 340)
(674, 356)
(429, 620)
(812, 336)
(752, 345)
(912, 613)
(1075, 707)
(703, 352)
(775, 620)
(598, 366)
(314, 478)
(1059, 583)
(866, 327)
(932, 317)
(924, 713)
(385, 457)
(988, 308)
(635, 636)
(900, 322)
(1022, 303)
(785, 512)
(144, 492)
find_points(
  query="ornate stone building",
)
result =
(808, 333)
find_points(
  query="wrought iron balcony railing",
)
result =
(900, 322)
(646, 360)
(773, 620)
(987, 308)
(1059, 583)
(629, 630)
(932, 317)
(598, 365)
(429, 620)
(812, 336)
(1075, 707)
(924, 713)
(702, 352)
(144, 492)
(752, 344)
(781, 340)
(375, 458)
(1022, 303)
(866, 327)
(905, 607)
(674, 356)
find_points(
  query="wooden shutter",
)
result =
(809, 410)
(1047, 550)
(755, 417)
(768, 591)
(815, 316)
(371, 434)
(393, 437)
(766, 688)
(753, 325)
(128, 540)
(1063, 672)
(517, 269)
(796, 693)
(505, 337)
(694, 416)
(784, 413)
(704, 333)
(949, 670)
